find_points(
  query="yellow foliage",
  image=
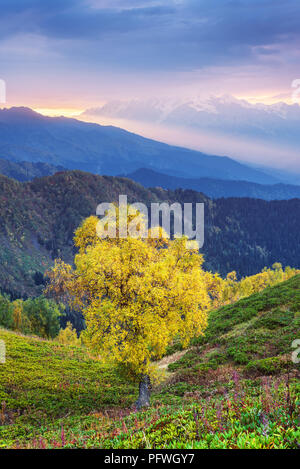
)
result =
(136, 294)
(68, 336)
(231, 290)
(17, 315)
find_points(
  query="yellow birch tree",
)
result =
(136, 294)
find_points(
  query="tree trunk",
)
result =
(144, 393)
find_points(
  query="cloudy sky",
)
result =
(65, 56)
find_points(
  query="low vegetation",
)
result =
(42, 381)
(236, 388)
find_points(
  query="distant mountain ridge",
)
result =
(59, 141)
(26, 171)
(237, 127)
(216, 188)
(226, 113)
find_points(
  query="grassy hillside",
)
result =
(38, 220)
(255, 333)
(236, 388)
(42, 381)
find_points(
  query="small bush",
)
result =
(268, 366)
(68, 336)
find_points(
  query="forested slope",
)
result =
(38, 220)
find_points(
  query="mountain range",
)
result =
(216, 188)
(276, 122)
(38, 217)
(28, 136)
(256, 132)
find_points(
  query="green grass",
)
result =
(251, 416)
(257, 330)
(42, 381)
(237, 388)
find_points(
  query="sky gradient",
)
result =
(64, 56)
